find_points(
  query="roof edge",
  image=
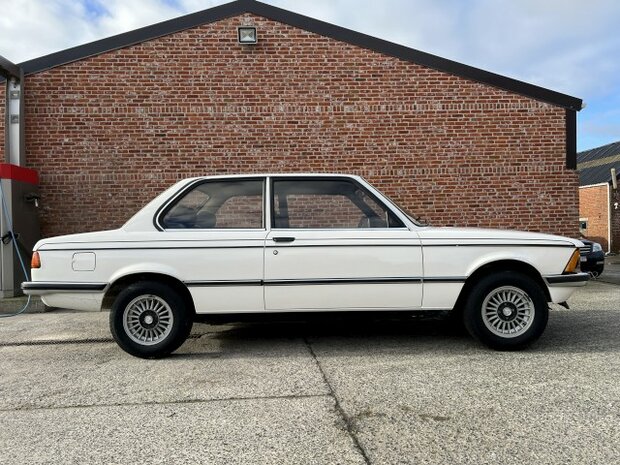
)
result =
(8, 69)
(134, 37)
(416, 56)
(342, 34)
(600, 147)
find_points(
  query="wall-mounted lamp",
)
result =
(247, 35)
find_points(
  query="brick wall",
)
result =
(109, 132)
(593, 207)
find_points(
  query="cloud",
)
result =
(567, 45)
(35, 28)
(602, 125)
(560, 44)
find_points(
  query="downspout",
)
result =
(14, 143)
(609, 199)
(610, 189)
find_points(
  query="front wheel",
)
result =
(149, 320)
(506, 311)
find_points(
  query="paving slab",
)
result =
(260, 431)
(11, 305)
(54, 326)
(210, 367)
(423, 401)
(611, 273)
(64, 326)
(331, 391)
(596, 295)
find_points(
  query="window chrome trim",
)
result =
(404, 228)
(387, 202)
(357, 180)
(214, 229)
(267, 202)
(165, 205)
(203, 180)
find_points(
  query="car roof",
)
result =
(274, 175)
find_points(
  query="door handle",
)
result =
(283, 239)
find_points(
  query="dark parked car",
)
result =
(592, 257)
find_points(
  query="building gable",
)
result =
(309, 24)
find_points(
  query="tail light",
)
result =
(36, 261)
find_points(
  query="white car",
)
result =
(248, 244)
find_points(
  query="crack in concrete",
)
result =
(339, 410)
(53, 342)
(170, 402)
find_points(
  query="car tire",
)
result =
(506, 311)
(150, 320)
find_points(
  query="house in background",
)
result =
(599, 197)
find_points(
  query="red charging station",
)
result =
(20, 215)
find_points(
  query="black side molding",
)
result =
(48, 286)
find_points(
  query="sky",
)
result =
(571, 46)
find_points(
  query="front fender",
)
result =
(498, 256)
(545, 260)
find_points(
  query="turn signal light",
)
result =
(573, 262)
(36, 261)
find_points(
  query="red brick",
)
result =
(109, 132)
(594, 207)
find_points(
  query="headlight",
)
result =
(596, 247)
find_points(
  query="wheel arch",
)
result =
(486, 269)
(122, 282)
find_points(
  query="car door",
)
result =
(215, 234)
(333, 245)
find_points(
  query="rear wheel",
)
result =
(506, 311)
(150, 320)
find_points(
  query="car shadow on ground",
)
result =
(568, 331)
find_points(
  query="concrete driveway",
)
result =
(611, 273)
(322, 393)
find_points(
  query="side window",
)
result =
(241, 212)
(323, 204)
(218, 205)
(321, 211)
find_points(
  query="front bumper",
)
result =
(568, 279)
(562, 286)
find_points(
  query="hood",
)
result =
(493, 235)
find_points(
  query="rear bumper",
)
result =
(73, 296)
